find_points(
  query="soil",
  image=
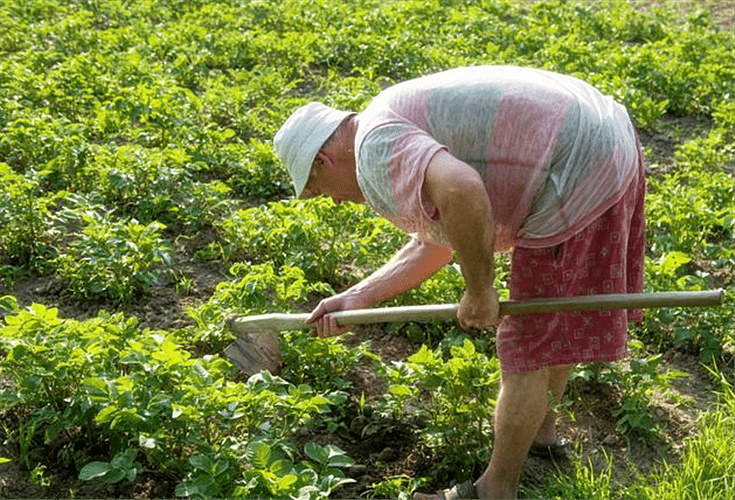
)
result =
(586, 418)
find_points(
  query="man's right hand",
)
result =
(325, 323)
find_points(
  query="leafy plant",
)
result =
(274, 475)
(113, 259)
(637, 384)
(322, 363)
(163, 113)
(210, 476)
(256, 289)
(122, 466)
(453, 399)
(314, 235)
(24, 212)
(400, 487)
(46, 360)
(147, 396)
(702, 331)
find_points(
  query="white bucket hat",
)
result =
(302, 136)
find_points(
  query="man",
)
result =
(484, 159)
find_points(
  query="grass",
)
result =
(722, 12)
(706, 469)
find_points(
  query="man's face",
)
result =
(328, 180)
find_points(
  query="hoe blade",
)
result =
(255, 352)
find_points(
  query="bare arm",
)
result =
(408, 268)
(459, 193)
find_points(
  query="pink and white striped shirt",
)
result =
(554, 152)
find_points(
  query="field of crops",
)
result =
(141, 204)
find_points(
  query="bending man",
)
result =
(482, 160)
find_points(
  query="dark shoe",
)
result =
(558, 449)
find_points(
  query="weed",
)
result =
(400, 487)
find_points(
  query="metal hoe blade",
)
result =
(254, 352)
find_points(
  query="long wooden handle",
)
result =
(279, 322)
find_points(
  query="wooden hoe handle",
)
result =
(278, 322)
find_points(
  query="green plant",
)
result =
(638, 383)
(38, 476)
(315, 235)
(703, 331)
(259, 175)
(707, 464)
(24, 212)
(210, 476)
(585, 480)
(145, 396)
(8, 304)
(46, 360)
(399, 487)
(113, 259)
(122, 466)
(274, 475)
(164, 111)
(704, 469)
(690, 225)
(322, 363)
(256, 289)
(26, 435)
(453, 400)
(328, 462)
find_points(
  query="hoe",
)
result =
(257, 346)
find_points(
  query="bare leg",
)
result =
(558, 377)
(522, 413)
(521, 409)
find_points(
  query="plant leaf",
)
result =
(93, 470)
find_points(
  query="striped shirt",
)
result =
(553, 152)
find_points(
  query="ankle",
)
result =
(547, 432)
(486, 490)
(496, 485)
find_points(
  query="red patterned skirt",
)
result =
(606, 257)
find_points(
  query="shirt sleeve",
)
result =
(392, 163)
